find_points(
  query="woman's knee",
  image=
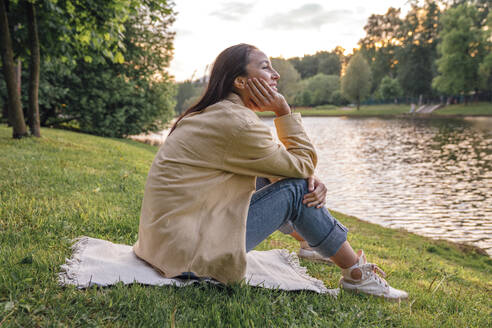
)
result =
(290, 189)
(297, 188)
(298, 184)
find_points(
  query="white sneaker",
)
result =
(370, 283)
(308, 253)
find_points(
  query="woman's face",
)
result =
(260, 67)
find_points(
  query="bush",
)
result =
(109, 104)
(389, 89)
(338, 99)
(317, 90)
(102, 100)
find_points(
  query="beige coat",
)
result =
(199, 187)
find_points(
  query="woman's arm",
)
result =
(252, 149)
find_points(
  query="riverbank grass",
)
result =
(330, 110)
(67, 184)
(392, 110)
(471, 109)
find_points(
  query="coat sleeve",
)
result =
(254, 151)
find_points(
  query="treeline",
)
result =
(440, 51)
(95, 66)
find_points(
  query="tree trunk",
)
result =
(16, 116)
(358, 102)
(18, 76)
(33, 109)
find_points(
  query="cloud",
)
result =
(308, 16)
(233, 11)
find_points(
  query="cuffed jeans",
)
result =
(279, 205)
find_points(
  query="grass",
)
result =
(329, 110)
(391, 110)
(68, 184)
(481, 108)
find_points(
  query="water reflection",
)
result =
(429, 176)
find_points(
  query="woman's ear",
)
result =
(240, 82)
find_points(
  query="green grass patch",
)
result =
(471, 109)
(68, 184)
(330, 110)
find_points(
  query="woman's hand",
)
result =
(317, 195)
(264, 98)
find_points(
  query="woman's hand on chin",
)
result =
(264, 98)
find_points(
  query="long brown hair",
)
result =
(228, 65)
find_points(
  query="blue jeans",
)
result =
(277, 205)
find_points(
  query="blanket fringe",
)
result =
(68, 274)
(293, 260)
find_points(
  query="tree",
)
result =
(33, 104)
(485, 68)
(304, 95)
(483, 7)
(340, 52)
(338, 99)
(329, 63)
(322, 87)
(105, 102)
(417, 54)
(307, 66)
(461, 51)
(147, 41)
(389, 89)
(288, 84)
(87, 29)
(356, 83)
(16, 115)
(108, 98)
(380, 43)
(325, 62)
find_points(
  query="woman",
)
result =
(200, 212)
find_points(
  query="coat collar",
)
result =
(235, 98)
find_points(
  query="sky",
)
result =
(280, 28)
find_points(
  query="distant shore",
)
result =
(388, 111)
(393, 110)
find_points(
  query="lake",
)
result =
(429, 176)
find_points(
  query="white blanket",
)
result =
(100, 262)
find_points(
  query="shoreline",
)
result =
(464, 246)
(417, 115)
(393, 110)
